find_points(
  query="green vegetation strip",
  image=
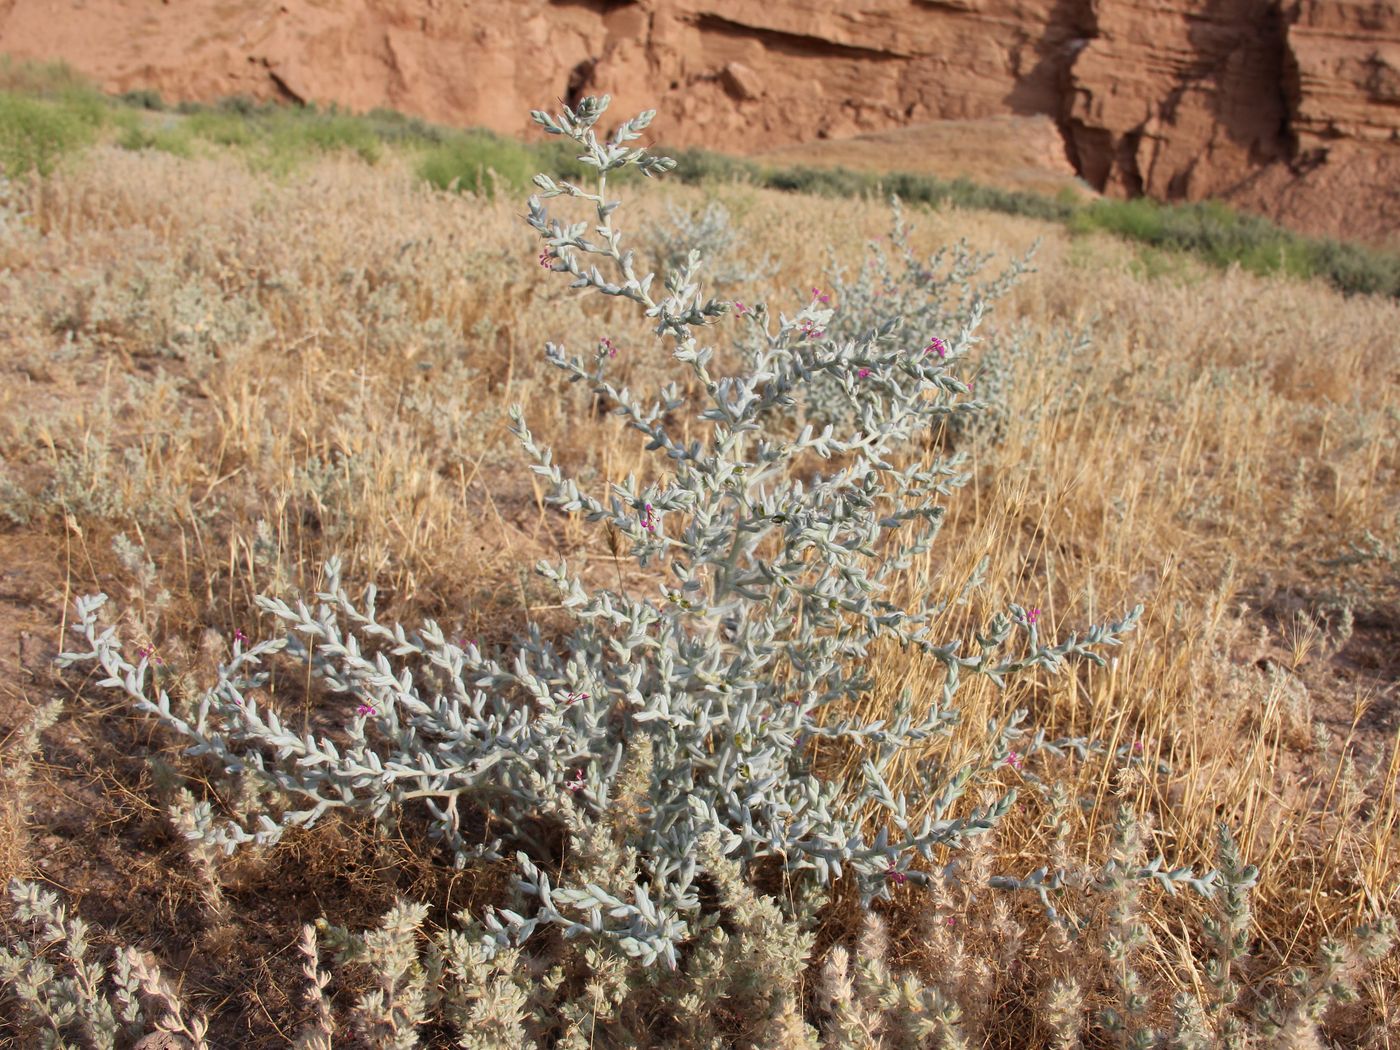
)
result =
(47, 112)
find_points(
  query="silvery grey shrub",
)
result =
(713, 232)
(772, 557)
(925, 299)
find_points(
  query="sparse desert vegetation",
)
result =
(223, 371)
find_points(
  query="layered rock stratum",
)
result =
(1286, 107)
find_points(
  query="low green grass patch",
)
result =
(223, 129)
(47, 111)
(1225, 237)
(480, 162)
(173, 139)
(36, 133)
(1208, 229)
(142, 98)
(277, 138)
(1354, 267)
(295, 132)
(700, 166)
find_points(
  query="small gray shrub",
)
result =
(897, 299)
(63, 991)
(771, 574)
(712, 232)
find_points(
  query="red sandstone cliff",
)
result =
(1291, 107)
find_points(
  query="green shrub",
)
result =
(700, 166)
(824, 182)
(36, 133)
(279, 137)
(478, 161)
(294, 132)
(1354, 268)
(174, 140)
(391, 126)
(1223, 236)
(143, 98)
(225, 129)
(243, 106)
(967, 194)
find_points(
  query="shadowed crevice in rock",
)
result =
(1045, 87)
(601, 7)
(580, 81)
(284, 90)
(794, 45)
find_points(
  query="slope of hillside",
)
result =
(1285, 109)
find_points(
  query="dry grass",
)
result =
(247, 375)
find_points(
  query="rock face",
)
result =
(1291, 107)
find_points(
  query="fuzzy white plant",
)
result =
(63, 992)
(772, 579)
(714, 233)
(898, 297)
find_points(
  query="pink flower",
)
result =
(576, 784)
(545, 260)
(1033, 617)
(365, 709)
(147, 651)
(648, 518)
(239, 636)
(820, 296)
(574, 698)
(740, 308)
(952, 921)
(1137, 747)
(863, 372)
(606, 345)
(896, 876)
(1015, 761)
(936, 346)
